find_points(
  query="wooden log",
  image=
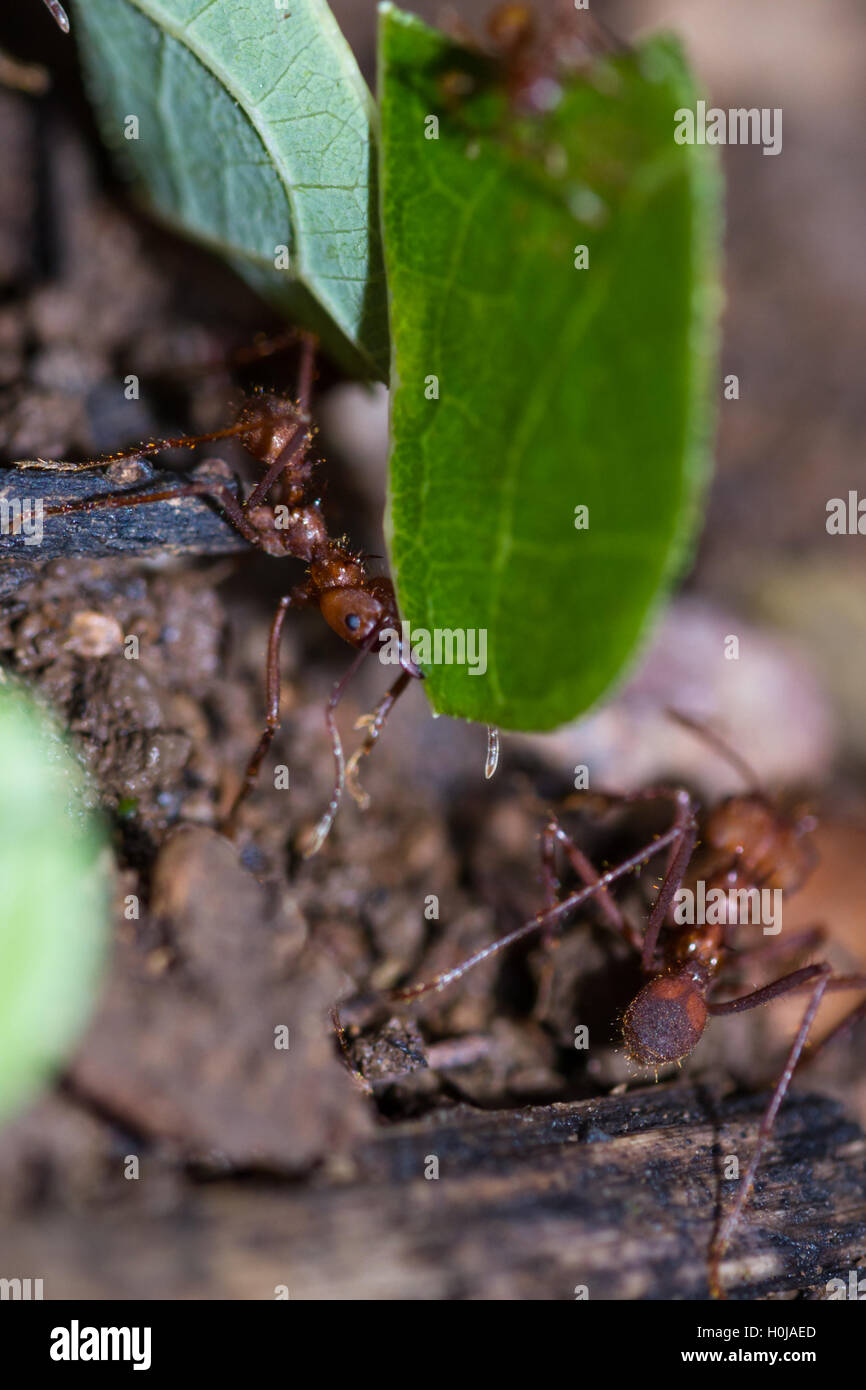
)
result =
(618, 1196)
(193, 526)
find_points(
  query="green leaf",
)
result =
(254, 132)
(53, 920)
(558, 387)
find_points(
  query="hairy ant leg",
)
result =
(311, 843)
(553, 836)
(845, 1024)
(542, 922)
(272, 717)
(684, 831)
(374, 724)
(818, 979)
(708, 735)
(217, 492)
(806, 940)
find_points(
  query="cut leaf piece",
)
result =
(554, 294)
(53, 902)
(248, 125)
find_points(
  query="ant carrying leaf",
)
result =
(283, 517)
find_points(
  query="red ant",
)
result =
(278, 432)
(745, 844)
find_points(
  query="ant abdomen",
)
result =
(666, 1019)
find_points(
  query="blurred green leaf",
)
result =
(557, 387)
(53, 902)
(254, 133)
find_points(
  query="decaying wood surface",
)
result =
(618, 1195)
(192, 526)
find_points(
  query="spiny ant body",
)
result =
(745, 844)
(283, 517)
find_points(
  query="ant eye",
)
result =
(353, 622)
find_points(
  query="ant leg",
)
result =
(220, 494)
(806, 940)
(306, 371)
(374, 724)
(543, 922)
(312, 842)
(838, 982)
(552, 835)
(340, 1034)
(720, 746)
(272, 718)
(151, 447)
(819, 978)
(684, 839)
(287, 459)
(550, 935)
(686, 828)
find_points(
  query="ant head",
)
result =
(354, 613)
(667, 1018)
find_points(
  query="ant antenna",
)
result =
(312, 843)
(59, 14)
(720, 746)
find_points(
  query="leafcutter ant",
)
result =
(736, 849)
(282, 516)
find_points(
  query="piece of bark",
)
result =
(617, 1195)
(190, 526)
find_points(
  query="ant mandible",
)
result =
(283, 517)
(745, 844)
